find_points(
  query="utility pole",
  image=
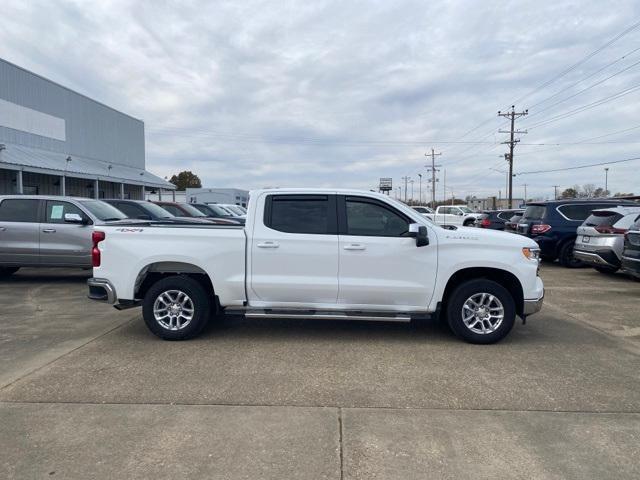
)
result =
(405, 179)
(444, 186)
(433, 169)
(606, 181)
(512, 115)
(525, 193)
(411, 182)
(555, 189)
(419, 189)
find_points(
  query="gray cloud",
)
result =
(258, 93)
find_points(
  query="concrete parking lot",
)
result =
(87, 392)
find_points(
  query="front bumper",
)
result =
(101, 290)
(532, 306)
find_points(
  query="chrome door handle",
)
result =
(268, 245)
(48, 230)
(354, 246)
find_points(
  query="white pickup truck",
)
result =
(453, 215)
(323, 254)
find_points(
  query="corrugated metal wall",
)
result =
(92, 130)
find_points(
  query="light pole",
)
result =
(420, 188)
(606, 181)
(411, 182)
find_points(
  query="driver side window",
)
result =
(374, 220)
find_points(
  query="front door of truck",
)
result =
(381, 268)
(294, 251)
(63, 243)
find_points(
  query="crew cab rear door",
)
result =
(293, 258)
(19, 235)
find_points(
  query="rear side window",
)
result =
(19, 210)
(627, 221)
(534, 212)
(373, 220)
(602, 218)
(311, 214)
(505, 216)
(57, 210)
(579, 211)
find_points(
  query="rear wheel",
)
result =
(567, 258)
(469, 223)
(176, 308)
(8, 271)
(481, 311)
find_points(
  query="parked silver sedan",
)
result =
(600, 238)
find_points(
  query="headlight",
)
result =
(531, 253)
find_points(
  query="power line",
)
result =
(583, 79)
(588, 106)
(579, 166)
(580, 62)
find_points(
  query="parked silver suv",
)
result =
(600, 239)
(49, 231)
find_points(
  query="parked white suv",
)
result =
(318, 253)
(453, 215)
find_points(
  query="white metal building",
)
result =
(54, 141)
(233, 196)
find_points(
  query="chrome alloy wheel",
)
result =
(173, 309)
(482, 313)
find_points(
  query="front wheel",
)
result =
(469, 223)
(481, 311)
(176, 308)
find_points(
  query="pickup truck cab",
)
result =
(453, 215)
(318, 253)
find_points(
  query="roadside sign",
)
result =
(386, 184)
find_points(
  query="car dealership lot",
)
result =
(87, 392)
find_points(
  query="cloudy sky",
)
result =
(339, 93)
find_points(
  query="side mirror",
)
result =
(73, 218)
(420, 233)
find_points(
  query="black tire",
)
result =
(566, 257)
(548, 258)
(200, 300)
(607, 270)
(468, 223)
(465, 291)
(8, 271)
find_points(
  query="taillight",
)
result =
(485, 223)
(541, 228)
(610, 229)
(97, 236)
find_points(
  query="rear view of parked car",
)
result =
(554, 224)
(600, 238)
(42, 231)
(631, 251)
(512, 224)
(495, 219)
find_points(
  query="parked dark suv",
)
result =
(496, 219)
(553, 225)
(631, 252)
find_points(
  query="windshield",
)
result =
(204, 209)
(103, 211)
(156, 211)
(219, 210)
(234, 209)
(599, 218)
(466, 209)
(193, 211)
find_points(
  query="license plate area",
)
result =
(586, 239)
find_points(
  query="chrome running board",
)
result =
(324, 315)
